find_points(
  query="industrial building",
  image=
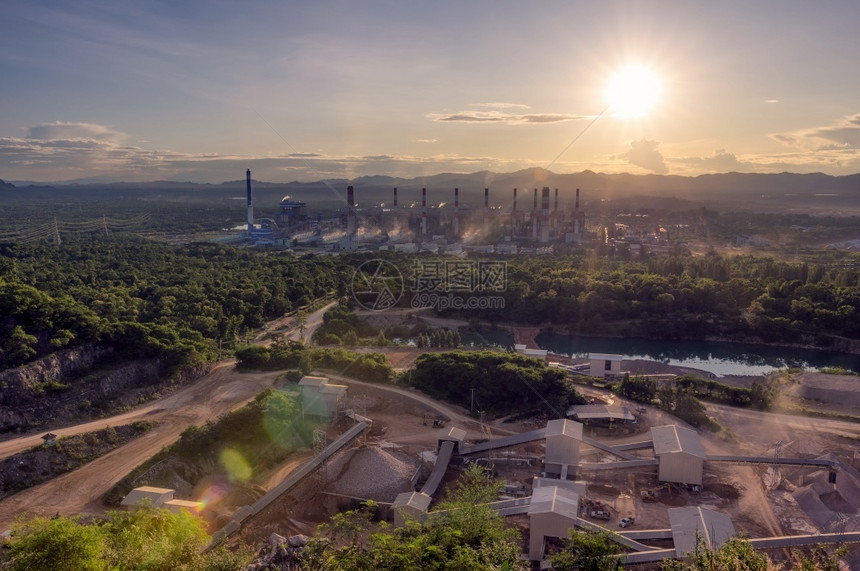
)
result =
(433, 226)
(604, 364)
(552, 512)
(321, 398)
(689, 523)
(410, 505)
(586, 413)
(680, 454)
(148, 495)
(563, 438)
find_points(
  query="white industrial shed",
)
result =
(410, 505)
(150, 495)
(680, 454)
(600, 412)
(176, 506)
(714, 528)
(563, 438)
(321, 398)
(552, 512)
(603, 364)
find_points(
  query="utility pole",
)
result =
(472, 405)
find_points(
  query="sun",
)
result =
(633, 91)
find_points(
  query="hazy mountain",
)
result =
(819, 192)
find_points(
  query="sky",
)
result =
(199, 91)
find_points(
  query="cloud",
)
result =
(771, 100)
(500, 105)
(426, 140)
(503, 118)
(644, 154)
(720, 161)
(844, 134)
(59, 130)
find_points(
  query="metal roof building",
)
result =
(552, 512)
(321, 398)
(563, 438)
(714, 528)
(410, 505)
(156, 497)
(587, 412)
(680, 454)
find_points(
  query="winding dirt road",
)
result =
(222, 390)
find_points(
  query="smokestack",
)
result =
(514, 215)
(250, 202)
(544, 215)
(456, 211)
(486, 211)
(395, 197)
(350, 214)
(423, 211)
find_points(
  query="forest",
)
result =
(683, 296)
(149, 299)
(502, 382)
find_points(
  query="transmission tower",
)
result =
(320, 442)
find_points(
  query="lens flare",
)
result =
(238, 469)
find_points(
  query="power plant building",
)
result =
(680, 454)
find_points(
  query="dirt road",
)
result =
(224, 389)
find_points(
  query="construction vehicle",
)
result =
(648, 495)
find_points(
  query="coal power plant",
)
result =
(438, 220)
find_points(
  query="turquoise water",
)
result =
(718, 358)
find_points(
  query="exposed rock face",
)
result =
(280, 553)
(76, 384)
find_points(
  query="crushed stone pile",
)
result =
(371, 472)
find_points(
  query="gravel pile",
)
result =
(371, 472)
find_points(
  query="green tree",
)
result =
(61, 543)
(587, 550)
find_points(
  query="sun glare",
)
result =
(632, 91)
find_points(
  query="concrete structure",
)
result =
(835, 389)
(563, 438)
(680, 454)
(410, 505)
(523, 350)
(452, 434)
(176, 506)
(577, 486)
(687, 523)
(603, 364)
(321, 398)
(153, 496)
(600, 412)
(552, 512)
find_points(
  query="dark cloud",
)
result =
(644, 154)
